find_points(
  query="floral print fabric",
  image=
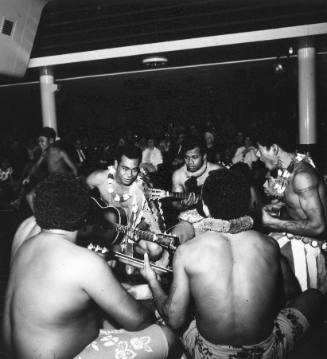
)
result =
(149, 343)
(289, 327)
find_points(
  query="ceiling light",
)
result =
(278, 67)
(155, 61)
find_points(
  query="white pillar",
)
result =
(48, 100)
(307, 92)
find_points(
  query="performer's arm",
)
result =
(173, 307)
(34, 168)
(184, 231)
(101, 285)
(305, 185)
(94, 179)
(178, 186)
(68, 162)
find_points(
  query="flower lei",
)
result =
(4, 175)
(199, 172)
(203, 224)
(275, 187)
(116, 196)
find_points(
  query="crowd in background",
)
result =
(162, 154)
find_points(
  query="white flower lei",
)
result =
(4, 175)
(276, 187)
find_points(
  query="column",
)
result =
(307, 92)
(48, 100)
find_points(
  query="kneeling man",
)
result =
(229, 278)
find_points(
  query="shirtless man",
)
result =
(191, 176)
(121, 186)
(52, 160)
(56, 289)
(297, 215)
(229, 279)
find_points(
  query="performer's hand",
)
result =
(164, 259)
(147, 272)
(192, 200)
(274, 207)
(112, 263)
(268, 216)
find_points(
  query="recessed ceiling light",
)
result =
(155, 61)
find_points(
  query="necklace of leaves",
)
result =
(276, 187)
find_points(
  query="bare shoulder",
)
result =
(97, 177)
(179, 172)
(178, 176)
(214, 166)
(205, 241)
(305, 176)
(86, 262)
(27, 229)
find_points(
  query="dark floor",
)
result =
(314, 347)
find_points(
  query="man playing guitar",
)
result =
(122, 186)
(191, 176)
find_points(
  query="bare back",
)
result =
(53, 293)
(55, 160)
(234, 281)
(45, 305)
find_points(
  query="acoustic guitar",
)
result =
(114, 218)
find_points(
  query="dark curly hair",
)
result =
(227, 194)
(192, 142)
(271, 134)
(130, 151)
(61, 202)
(48, 132)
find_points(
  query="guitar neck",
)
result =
(178, 195)
(138, 263)
(166, 241)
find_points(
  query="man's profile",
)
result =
(297, 214)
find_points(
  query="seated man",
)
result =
(190, 177)
(57, 289)
(232, 276)
(123, 186)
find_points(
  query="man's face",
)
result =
(268, 156)
(44, 142)
(247, 141)
(150, 143)
(78, 144)
(194, 159)
(127, 170)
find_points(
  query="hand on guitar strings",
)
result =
(190, 201)
(147, 272)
